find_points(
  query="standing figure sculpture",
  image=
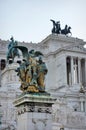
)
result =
(42, 71)
(28, 70)
(56, 27)
(32, 72)
(21, 72)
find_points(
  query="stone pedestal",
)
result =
(34, 111)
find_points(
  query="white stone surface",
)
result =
(34, 112)
(70, 108)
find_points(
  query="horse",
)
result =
(12, 53)
(66, 30)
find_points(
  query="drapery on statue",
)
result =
(12, 50)
(32, 71)
(57, 29)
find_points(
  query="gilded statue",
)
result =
(32, 71)
(41, 71)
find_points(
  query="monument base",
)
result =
(34, 111)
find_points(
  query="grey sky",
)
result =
(29, 20)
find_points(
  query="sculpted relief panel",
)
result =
(59, 116)
(75, 119)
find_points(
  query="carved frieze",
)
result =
(76, 48)
(29, 108)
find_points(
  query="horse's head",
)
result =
(69, 27)
(69, 30)
(66, 26)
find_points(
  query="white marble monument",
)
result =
(66, 60)
(34, 111)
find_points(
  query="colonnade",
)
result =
(76, 70)
(76, 74)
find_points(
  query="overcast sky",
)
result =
(29, 20)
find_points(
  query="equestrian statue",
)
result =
(12, 50)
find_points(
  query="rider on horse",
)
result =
(12, 51)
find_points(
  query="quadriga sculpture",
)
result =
(57, 28)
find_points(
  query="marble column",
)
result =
(72, 70)
(82, 106)
(75, 74)
(65, 70)
(79, 70)
(85, 102)
(85, 72)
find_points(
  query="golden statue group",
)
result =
(31, 70)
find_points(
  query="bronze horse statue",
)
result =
(12, 50)
(57, 29)
(12, 54)
(66, 30)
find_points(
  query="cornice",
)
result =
(62, 38)
(70, 48)
(56, 37)
(70, 43)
